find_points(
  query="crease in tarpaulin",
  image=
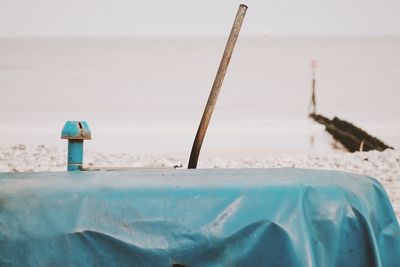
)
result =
(241, 248)
(387, 230)
(370, 236)
(323, 221)
(79, 222)
(319, 221)
(375, 223)
(98, 243)
(89, 215)
(309, 252)
(352, 217)
(216, 226)
(378, 194)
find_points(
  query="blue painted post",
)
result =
(75, 132)
(75, 155)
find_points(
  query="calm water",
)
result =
(147, 95)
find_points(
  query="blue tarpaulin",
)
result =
(245, 217)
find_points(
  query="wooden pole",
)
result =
(219, 78)
(313, 102)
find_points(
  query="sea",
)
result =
(147, 95)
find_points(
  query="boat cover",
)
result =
(238, 217)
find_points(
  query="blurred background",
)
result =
(140, 73)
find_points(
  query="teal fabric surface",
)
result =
(245, 217)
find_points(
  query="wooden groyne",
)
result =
(350, 136)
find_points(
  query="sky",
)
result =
(82, 18)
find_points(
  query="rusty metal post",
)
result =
(219, 78)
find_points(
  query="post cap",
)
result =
(76, 130)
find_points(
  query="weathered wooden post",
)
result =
(219, 78)
(313, 103)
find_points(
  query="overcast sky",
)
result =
(196, 18)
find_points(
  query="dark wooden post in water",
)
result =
(350, 136)
(219, 78)
(313, 102)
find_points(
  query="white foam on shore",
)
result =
(384, 166)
